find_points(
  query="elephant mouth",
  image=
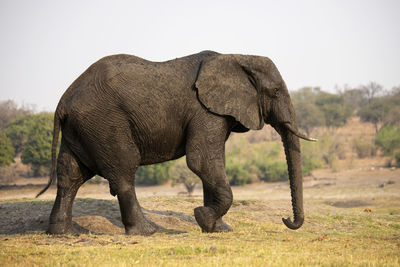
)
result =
(289, 127)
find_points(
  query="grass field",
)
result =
(351, 220)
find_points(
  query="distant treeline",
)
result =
(27, 135)
(316, 108)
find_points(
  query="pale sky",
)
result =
(46, 45)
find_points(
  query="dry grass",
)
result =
(351, 220)
(358, 237)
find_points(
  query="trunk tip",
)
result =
(298, 222)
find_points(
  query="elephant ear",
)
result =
(226, 87)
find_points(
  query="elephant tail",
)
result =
(56, 133)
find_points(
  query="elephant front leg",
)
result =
(205, 156)
(209, 216)
(217, 192)
(209, 200)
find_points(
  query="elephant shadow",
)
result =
(96, 216)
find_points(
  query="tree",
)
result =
(19, 131)
(181, 174)
(9, 111)
(354, 98)
(383, 110)
(37, 150)
(395, 90)
(6, 150)
(335, 111)
(308, 114)
(374, 112)
(392, 117)
(371, 90)
(315, 107)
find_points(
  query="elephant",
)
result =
(125, 111)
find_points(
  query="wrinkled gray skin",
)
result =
(124, 112)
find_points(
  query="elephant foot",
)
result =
(221, 226)
(61, 229)
(209, 221)
(144, 228)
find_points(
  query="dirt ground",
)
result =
(365, 185)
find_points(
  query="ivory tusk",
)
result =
(300, 135)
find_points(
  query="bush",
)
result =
(329, 148)
(388, 139)
(181, 174)
(324, 152)
(8, 174)
(19, 131)
(154, 174)
(6, 150)
(249, 162)
(37, 149)
(237, 174)
(309, 164)
(396, 156)
(273, 172)
(311, 157)
(364, 148)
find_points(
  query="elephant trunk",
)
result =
(292, 150)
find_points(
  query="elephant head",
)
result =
(251, 90)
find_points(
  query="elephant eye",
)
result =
(276, 92)
(272, 91)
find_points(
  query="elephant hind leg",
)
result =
(71, 174)
(132, 216)
(122, 184)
